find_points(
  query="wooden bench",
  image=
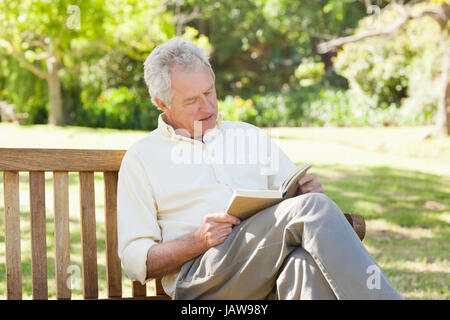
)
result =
(60, 162)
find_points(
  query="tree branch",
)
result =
(180, 19)
(19, 56)
(435, 11)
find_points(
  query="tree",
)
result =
(51, 38)
(257, 44)
(439, 10)
(45, 36)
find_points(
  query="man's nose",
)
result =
(205, 105)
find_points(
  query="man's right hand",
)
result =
(166, 257)
(215, 228)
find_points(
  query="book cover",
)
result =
(245, 203)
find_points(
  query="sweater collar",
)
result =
(167, 130)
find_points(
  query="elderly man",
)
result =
(174, 187)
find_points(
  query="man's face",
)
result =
(194, 101)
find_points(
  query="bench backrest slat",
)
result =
(113, 265)
(62, 233)
(88, 235)
(38, 235)
(12, 235)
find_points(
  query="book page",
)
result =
(244, 207)
(290, 185)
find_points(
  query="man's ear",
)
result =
(161, 105)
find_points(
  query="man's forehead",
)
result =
(191, 83)
(187, 97)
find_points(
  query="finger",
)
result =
(306, 187)
(318, 190)
(220, 240)
(225, 233)
(312, 187)
(223, 230)
(221, 226)
(218, 237)
(224, 217)
(305, 190)
(307, 178)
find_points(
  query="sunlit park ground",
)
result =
(397, 180)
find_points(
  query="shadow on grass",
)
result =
(407, 222)
(403, 197)
(418, 284)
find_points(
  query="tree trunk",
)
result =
(443, 109)
(442, 126)
(54, 88)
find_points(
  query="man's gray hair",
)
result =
(175, 53)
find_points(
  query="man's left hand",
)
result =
(309, 183)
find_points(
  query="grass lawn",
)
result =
(397, 180)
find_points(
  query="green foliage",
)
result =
(391, 71)
(37, 27)
(37, 110)
(263, 51)
(286, 107)
(317, 105)
(20, 87)
(309, 72)
(258, 44)
(77, 35)
(120, 109)
(238, 109)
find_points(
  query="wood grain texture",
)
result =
(113, 265)
(358, 224)
(159, 290)
(12, 236)
(38, 236)
(62, 233)
(88, 236)
(23, 159)
(138, 289)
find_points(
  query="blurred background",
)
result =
(359, 88)
(80, 62)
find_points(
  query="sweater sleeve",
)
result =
(137, 224)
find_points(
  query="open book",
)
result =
(245, 203)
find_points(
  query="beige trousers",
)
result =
(301, 248)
